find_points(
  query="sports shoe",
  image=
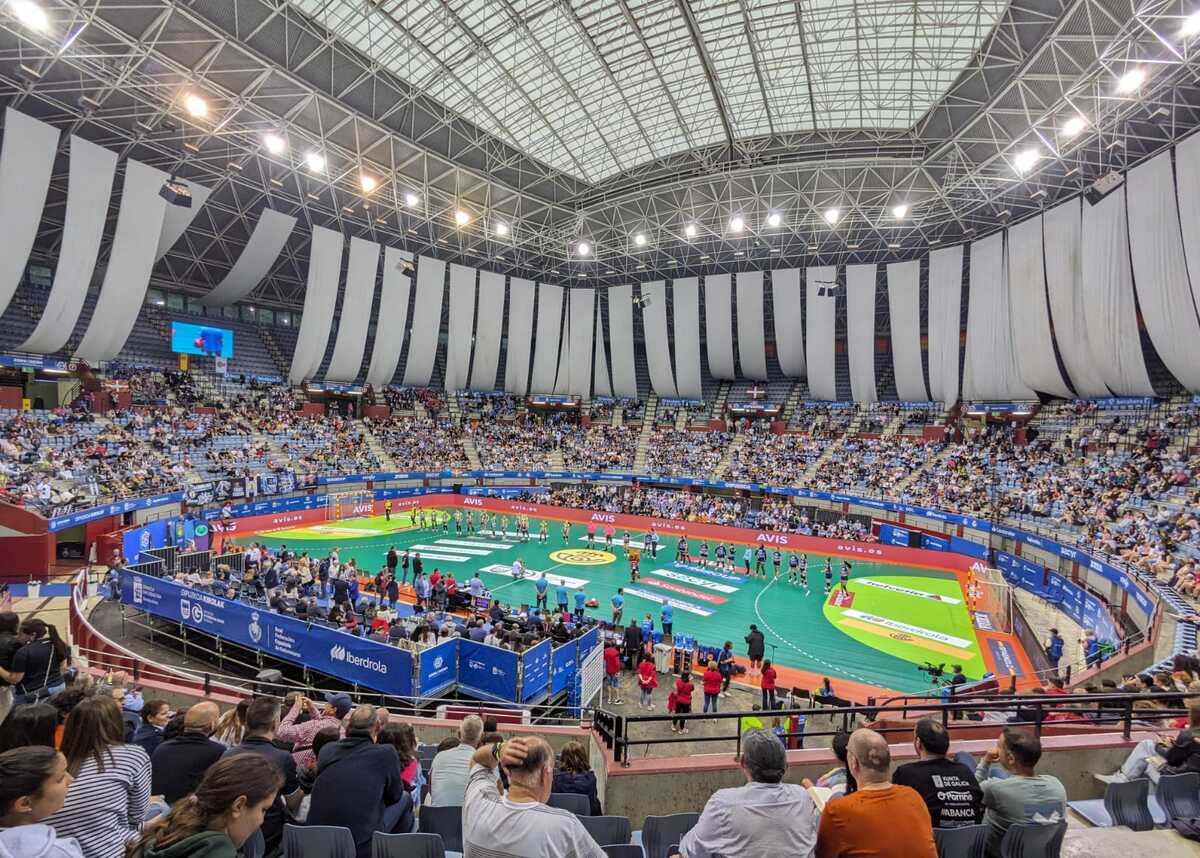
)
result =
(650, 707)
(1115, 778)
(618, 702)
(674, 729)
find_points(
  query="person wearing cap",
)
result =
(337, 707)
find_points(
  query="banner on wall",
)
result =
(216, 491)
(437, 668)
(934, 543)
(377, 666)
(563, 665)
(487, 672)
(889, 534)
(535, 671)
(155, 534)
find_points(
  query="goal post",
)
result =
(989, 599)
(353, 504)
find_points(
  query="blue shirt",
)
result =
(561, 592)
(580, 598)
(540, 585)
(747, 554)
(618, 601)
(668, 614)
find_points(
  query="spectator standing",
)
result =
(948, 787)
(358, 784)
(519, 824)
(1054, 648)
(33, 786)
(711, 680)
(262, 720)
(179, 763)
(9, 624)
(301, 735)
(227, 808)
(612, 672)
(575, 775)
(110, 790)
(879, 819)
(768, 685)
(450, 768)
(1023, 796)
(763, 817)
(683, 701)
(755, 649)
(647, 682)
(725, 663)
(155, 715)
(37, 666)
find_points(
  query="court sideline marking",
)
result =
(832, 667)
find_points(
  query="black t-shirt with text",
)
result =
(948, 788)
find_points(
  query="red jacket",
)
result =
(768, 678)
(612, 660)
(712, 681)
(683, 691)
(647, 676)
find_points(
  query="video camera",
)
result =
(935, 671)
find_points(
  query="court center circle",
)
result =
(582, 557)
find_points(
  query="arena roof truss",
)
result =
(599, 120)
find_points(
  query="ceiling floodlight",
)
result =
(368, 183)
(461, 218)
(195, 105)
(900, 211)
(1131, 80)
(315, 161)
(832, 216)
(1191, 25)
(501, 228)
(774, 219)
(736, 224)
(1072, 127)
(1026, 159)
(275, 144)
(640, 239)
(30, 14)
(411, 199)
(583, 248)
(690, 230)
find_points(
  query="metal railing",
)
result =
(617, 731)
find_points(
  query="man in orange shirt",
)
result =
(880, 820)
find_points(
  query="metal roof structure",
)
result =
(582, 119)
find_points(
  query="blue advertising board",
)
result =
(535, 671)
(487, 672)
(437, 668)
(934, 543)
(889, 534)
(968, 547)
(377, 666)
(155, 534)
(62, 522)
(588, 641)
(563, 665)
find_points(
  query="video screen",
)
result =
(201, 340)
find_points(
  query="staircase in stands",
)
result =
(718, 406)
(727, 458)
(376, 447)
(927, 464)
(643, 442)
(272, 347)
(471, 451)
(832, 446)
(794, 398)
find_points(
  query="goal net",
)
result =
(989, 599)
(343, 505)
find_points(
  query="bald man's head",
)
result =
(536, 772)
(868, 757)
(202, 718)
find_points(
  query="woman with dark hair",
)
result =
(34, 724)
(108, 799)
(33, 785)
(222, 814)
(404, 740)
(839, 781)
(9, 623)
(37, 666)
(575, 775)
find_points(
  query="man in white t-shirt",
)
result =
(448, 772)
(519, 824)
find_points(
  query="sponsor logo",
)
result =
(438, 662)
(472, 502)
(842, 599)
(197, 613)
(137, 590)
(337, 652)
(582, 557)
(185, 608)
(362, 508)
(685, 591)
(604, 516)
(773, 538)
(859, 549)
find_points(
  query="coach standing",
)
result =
(755, 649)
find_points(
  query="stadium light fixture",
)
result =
(1072, 127)
(583, 248)
(275, 144)
(1026, 159)
(195, 105)
(501, 228)
(1131, 81)
(411, 200)
(462, 218)
(368, 183)
(315, 162)
(774, 219)
(736, 223)
(640, 239)
(1191, 25)
(900, 211)
(30, 14)
(832, 215)
(690, 230)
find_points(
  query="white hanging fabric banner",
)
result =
(88, 190)
(177, 218)
(26, 162)
(546, 341)
(860, 331)
(487, 331)
(685, 302)
(945, 322)
(562, 372)
(1063, 228)
(654, 331)
(718, 325)
(462, 325)
(265, 244)
(904, 319)
(990, 368)
(392, 320)
(426, 322)
(1033, 344)
(520, 335)
(1108, 306)
(601, 385)
(583, 325)
(751, 338)
(1160, 271)
(320, 297)
(620, 340)
(130, 261)
(818, 339)
(355, 315)
(1187, 188)
(786, 298)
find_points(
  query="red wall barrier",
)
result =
(10, 397)
(26, 557)
(21, 520)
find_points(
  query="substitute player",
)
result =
(703, 553)
(635, 562)
(828, 575)
(720, 554)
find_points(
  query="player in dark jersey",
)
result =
(760, 562)
(804, 572)
(828, 575)
(845, 576)
(793, 568)
(703, 553)
(776, 561)
(720, 553)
